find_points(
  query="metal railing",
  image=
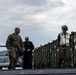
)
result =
(46, 56)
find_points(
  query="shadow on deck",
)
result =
(39, 72)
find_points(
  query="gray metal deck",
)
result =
(39, 72)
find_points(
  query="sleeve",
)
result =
(8, 42)
(58, 40)
(21, 43)
(32, 46)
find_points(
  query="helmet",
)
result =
(64, 27)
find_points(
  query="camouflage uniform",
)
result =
(14, 43)
(65, 57)
(64, 54)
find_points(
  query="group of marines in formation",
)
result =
(17, 47)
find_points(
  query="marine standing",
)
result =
(64, 48)
(14, 45)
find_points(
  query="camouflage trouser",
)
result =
(13, 56)
(65, 57)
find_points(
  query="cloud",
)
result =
(41, 20)
(32, 2)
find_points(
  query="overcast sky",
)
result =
(41, 20)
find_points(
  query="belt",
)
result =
(14, 46)
(64, 45)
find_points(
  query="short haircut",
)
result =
(17, 28)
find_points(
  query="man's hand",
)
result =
(8, 50)
(23, 49)
(58, 50)
(28, 50)
(71, 49)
